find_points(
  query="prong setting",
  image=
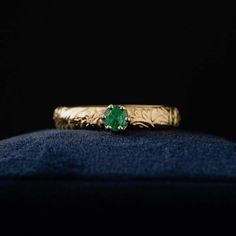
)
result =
(121, 128)
(108, 127)
(122, 108)
(128, 119)
(103, 117)
(111, 106)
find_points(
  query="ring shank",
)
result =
(144, 116)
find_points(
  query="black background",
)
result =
(55, 54)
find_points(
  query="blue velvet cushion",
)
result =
(134, 154)
(76, 179)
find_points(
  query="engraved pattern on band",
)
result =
(144, 116)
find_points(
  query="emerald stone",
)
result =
(116, 118)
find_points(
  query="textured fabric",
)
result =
(148, 180)
(134, 154)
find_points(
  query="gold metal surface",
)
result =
(144, 116)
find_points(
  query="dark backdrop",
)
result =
(58, 54)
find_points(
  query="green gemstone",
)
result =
(116, 117)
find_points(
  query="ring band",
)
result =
(116, 117)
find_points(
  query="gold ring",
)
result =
(116, 117)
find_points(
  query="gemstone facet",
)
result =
(116, 118)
